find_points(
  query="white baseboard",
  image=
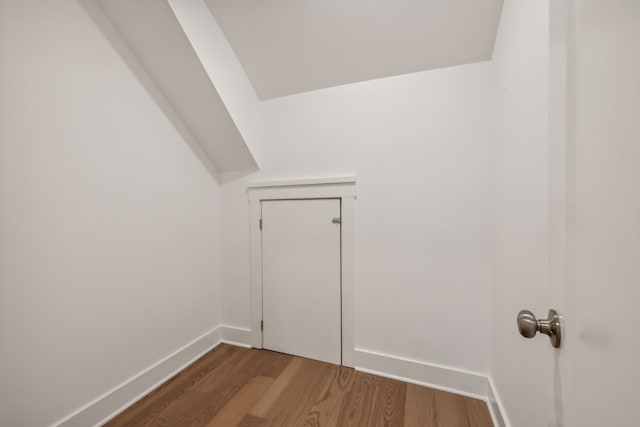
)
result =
(107, 406)
(110, 404)
(465, 383)
(496, 409)
(453, 380)
(236, 336)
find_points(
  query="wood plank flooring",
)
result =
(233, 386)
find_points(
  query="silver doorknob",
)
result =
(528, 325)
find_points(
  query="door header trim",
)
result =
(303, 182)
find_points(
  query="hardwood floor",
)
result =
(233, 386)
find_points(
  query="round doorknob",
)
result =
(528, 326)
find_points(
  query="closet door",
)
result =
(301, 278)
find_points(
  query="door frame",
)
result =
(561, 201)
(343, 188)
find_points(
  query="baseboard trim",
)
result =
(113, 402)
(452, 380)
(235, 335)
(443, 378)
(496, 409)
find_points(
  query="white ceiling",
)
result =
(292, 46)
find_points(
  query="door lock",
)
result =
(528, 325)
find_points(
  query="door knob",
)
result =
(528, 325)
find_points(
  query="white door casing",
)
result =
(301, 278)
(559, 289)
(342, 188)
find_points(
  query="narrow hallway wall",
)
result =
(109, 232)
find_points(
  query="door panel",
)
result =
(593, 225)
(301, 278)
(596, 374)
(606, 361)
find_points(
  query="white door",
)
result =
(595, 271)
(301, 278)
(606, 219)
(593, 231)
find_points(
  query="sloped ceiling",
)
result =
(292, 46)
(212, 61)
(152, 32)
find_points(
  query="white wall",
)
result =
(420, 147)
(109, 232)
(520, 77)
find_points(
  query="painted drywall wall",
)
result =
(420, 147)
(520, 79)
(109, 232)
